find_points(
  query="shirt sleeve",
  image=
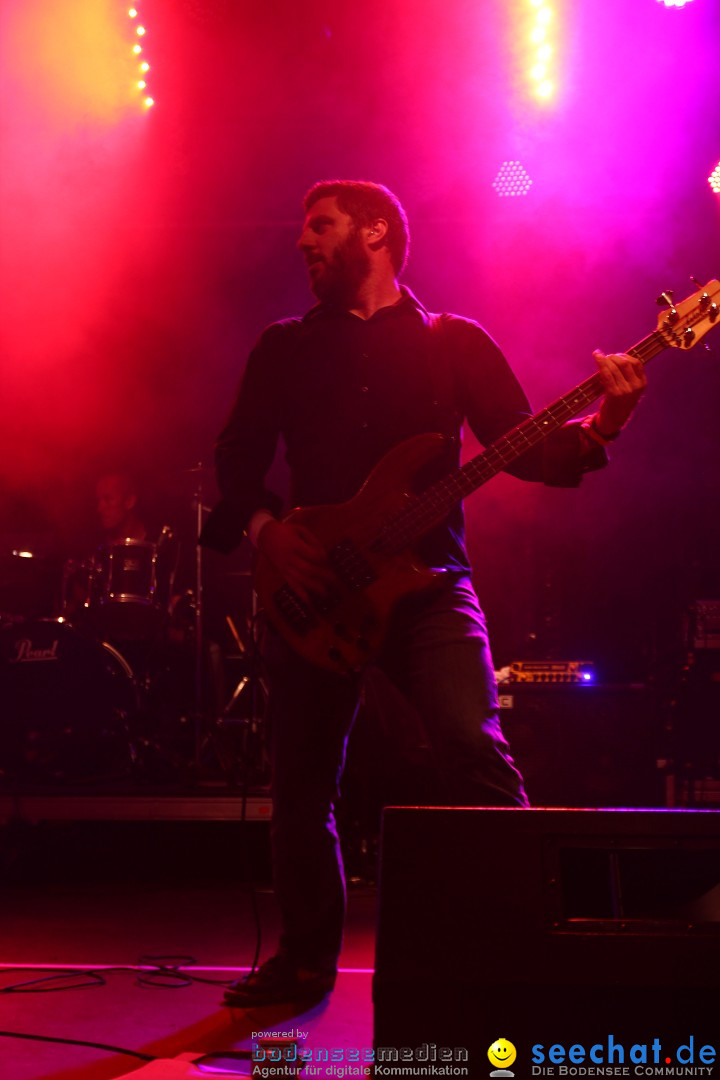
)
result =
(246, 445)
(493, 402)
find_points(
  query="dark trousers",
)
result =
(438, 655)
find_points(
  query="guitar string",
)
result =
(399, 530)
(433, 504)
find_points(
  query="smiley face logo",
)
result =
(502, 1054)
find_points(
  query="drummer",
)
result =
(149, 574)
(117, 507)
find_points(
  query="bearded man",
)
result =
(364, 369)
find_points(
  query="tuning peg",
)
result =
(695, 281)
(665, 299)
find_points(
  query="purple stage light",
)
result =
(714, 179)
(512, 179)
(674, 3)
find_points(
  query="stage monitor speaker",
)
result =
(547, 927)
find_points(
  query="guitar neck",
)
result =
(432, 506)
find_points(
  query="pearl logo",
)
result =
(25, 653)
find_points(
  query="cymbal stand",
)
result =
(252, 684)
(203, 729)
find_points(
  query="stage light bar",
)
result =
(141, 83)
(714, 179)
(512, 180)
(541, 49)
(674, 3)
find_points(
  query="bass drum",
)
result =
(68, 704)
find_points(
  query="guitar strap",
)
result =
(442, 365)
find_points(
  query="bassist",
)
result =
(366, 368)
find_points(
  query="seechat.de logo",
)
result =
(502, 1054)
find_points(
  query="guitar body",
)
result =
(350, 630)
(369, 540)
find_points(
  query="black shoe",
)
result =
(279, 981)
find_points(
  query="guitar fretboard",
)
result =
(429, 508)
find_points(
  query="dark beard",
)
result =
(344, 274)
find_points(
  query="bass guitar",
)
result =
(370, 539)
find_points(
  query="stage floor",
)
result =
(101, 907)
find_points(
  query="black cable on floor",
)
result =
(35, 986)
(79, 1042)
(166, 975)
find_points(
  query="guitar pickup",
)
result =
(294, 611)
(351, 566)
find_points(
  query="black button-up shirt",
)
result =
(342, 391)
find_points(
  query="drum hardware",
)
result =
(28, 584)
(127, 604)
(204, 718)
(131, 576)
(245, 677)
(251, 762)
(216, 727)
(69, 703)
(80, 586)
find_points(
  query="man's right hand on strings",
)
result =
(298, 555)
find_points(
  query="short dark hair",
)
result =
(365, 202)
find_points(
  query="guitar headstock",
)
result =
(682, 325)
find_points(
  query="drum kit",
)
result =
(75, 686)
(107, 672)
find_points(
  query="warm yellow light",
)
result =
(544, 16)
(537, 35)
(544, 53)
(148, 102)
(132, 13)
(144, 66)
(538, 72)
(141, 84)
(140, 31)
(137, 49)
(545, 89)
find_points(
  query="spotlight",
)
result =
(143, 67)
(512, 180)
(674, 3)
(714, 179)
(539, 48)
